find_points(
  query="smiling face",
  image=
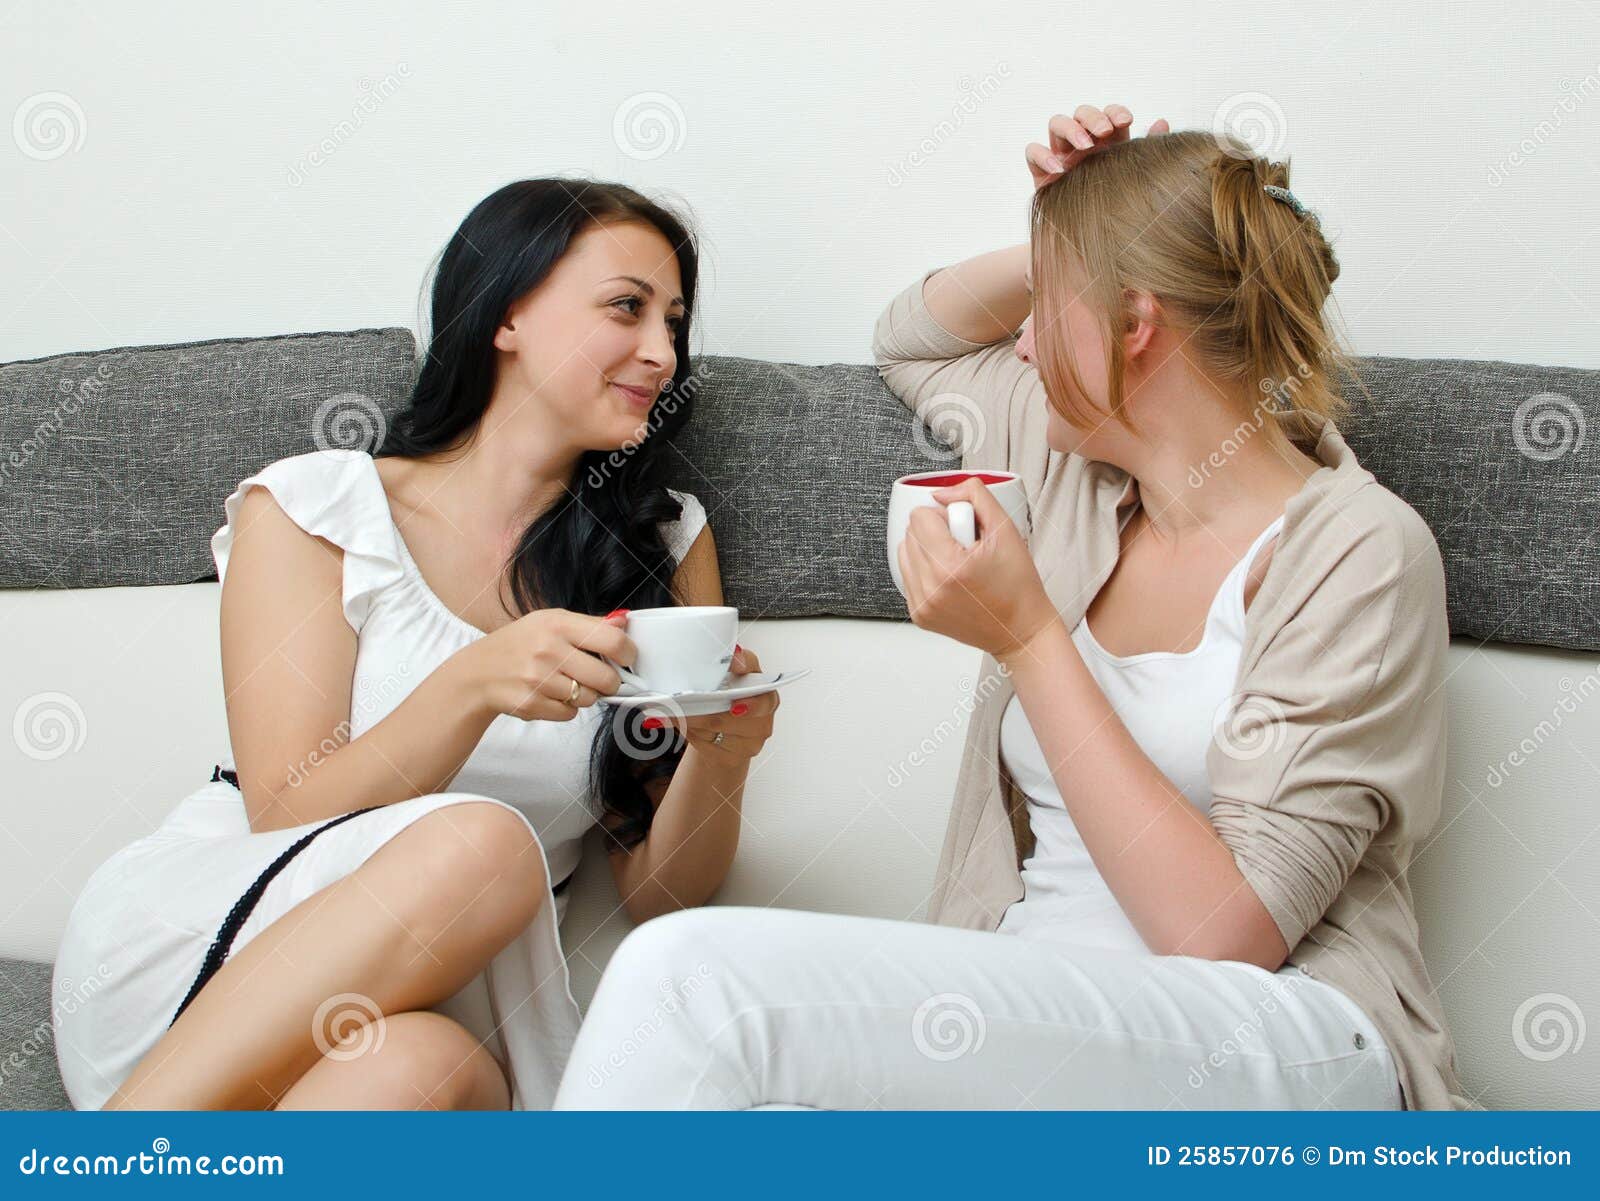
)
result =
(594, 344)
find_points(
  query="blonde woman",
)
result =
(1210, 723)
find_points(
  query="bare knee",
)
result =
(412, 1060)
(475, 856)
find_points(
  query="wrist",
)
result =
(715, 761)
(467, 688)
(1038, 650)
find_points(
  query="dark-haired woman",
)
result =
(362, 909)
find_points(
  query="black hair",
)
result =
(599, 547)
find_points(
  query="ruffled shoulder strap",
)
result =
(679, 535)
(336, 495)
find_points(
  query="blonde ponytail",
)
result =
(1243, 274)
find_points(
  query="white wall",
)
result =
(1451, 149)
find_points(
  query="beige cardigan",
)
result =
(1343, 664)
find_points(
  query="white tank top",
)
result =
(1171, 703)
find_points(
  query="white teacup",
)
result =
(685, 648)
(912, 492)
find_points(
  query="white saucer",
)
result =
(699, 704)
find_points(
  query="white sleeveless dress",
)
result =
(143, 923)
(1172, 704)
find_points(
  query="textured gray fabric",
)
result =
(793, 465)
(28, 1075)
(114, 464)
(1503, 462)
(792, 462)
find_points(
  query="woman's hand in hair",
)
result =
(527, 668)
(1073, 139)
(988, 595)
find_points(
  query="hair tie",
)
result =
(1287, 197)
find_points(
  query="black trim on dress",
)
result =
(217, 953)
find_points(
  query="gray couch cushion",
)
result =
(1503, 462)
(794, 464)
(115, 464)
(28, 1075)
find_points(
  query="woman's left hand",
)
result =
(988, 595)
(745, 727)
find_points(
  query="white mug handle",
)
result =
(963, 522)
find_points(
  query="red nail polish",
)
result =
(739, 709)
(650, 723)
(615, 613)
(737, 649)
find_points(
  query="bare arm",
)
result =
(288, 656)
(1166, 864)
(982, 299)
(685, 857)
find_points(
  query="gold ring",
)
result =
(572, 697)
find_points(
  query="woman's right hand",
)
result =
(1075, 138)
(526, 669)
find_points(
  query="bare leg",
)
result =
(405, 931)
(415, 1060)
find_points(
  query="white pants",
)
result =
(740, 1008)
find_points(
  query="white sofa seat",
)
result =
(845, 810)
